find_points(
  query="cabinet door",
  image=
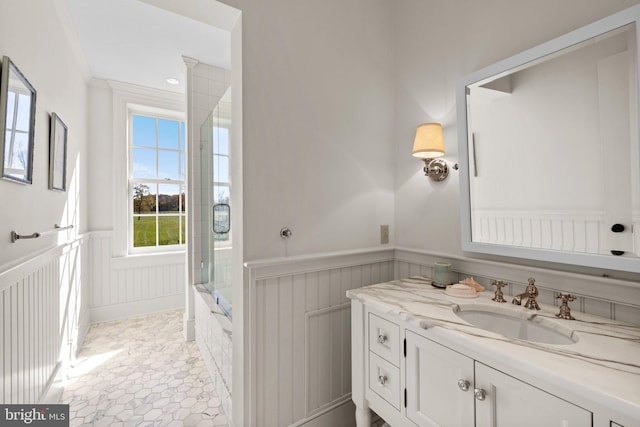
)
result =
(434, 397)
(510, 402)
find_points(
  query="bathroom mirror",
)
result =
(549, 150)
(17, 121)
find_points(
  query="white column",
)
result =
(193, 230)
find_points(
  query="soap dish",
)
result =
(460, 290)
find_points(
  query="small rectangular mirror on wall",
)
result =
(57, 154)
(17, 121)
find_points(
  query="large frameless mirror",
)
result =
(17, 119)
(550, 151)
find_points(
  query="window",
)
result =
(156, 181)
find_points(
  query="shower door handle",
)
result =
(221, 218)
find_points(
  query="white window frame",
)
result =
(126, 96)
(157, 113)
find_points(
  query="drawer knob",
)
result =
(382, 379)
(382, 338)
(479, 393)
(464, 385)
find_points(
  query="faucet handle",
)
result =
(532, 294)
(565, 310)
(499, 296)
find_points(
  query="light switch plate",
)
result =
(384, 234)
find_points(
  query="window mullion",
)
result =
(160, 155)
(157, 185)
(14, 120)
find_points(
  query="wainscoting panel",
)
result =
(299, 322)
(328, 364)
(579, 231)
(43, 320)
(134, 285)
(302, 334)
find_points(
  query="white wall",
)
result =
(317, 108)
(101, 156)
(43, 281)
(59, 74)
(435, 44)
(123, 285)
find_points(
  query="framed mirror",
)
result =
(549, 150)
(17, 121)
(57, 154)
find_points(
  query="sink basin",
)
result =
(522, 325)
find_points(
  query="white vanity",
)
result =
(415, 361)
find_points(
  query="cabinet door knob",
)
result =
(382, 338)
(464, 385)
(617, 228)
(382, 379)
(479, 393)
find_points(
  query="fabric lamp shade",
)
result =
(429, 142)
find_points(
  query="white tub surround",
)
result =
(598, 374)
(214, 338)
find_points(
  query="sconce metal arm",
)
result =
(437, 169)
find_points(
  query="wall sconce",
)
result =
(429, 144)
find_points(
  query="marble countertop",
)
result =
(603, 366)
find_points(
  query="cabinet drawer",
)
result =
(384, 379)
(384, 339)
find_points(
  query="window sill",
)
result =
(150, 259)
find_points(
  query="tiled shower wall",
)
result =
(208, 85)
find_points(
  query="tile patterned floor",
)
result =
(141, 372)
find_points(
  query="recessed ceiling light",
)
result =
(173, 81)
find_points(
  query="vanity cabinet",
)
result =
(439, 384)
(412, 380)
(446, 388)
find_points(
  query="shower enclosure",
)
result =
(216, 203)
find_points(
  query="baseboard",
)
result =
(189, 329)
(52, 393)
(83, 328)
(136, 308)
(339, 415)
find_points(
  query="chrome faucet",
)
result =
(531, 292)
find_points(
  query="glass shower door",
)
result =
(216, 203)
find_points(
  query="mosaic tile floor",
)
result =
(141, 372)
